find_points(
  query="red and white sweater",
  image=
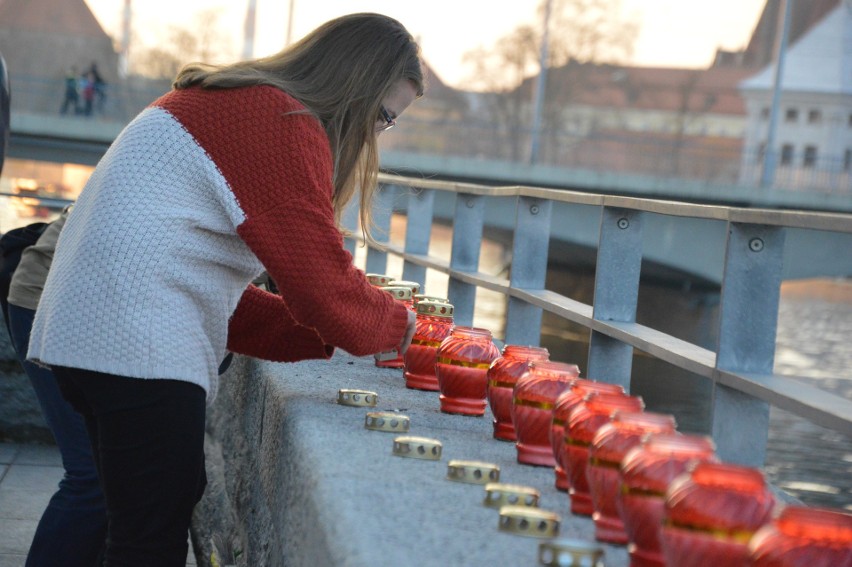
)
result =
(200, 193)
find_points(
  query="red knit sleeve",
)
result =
(277, 161)
(263, 327)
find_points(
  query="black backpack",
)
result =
(12, 244)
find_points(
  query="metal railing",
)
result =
(740, 369)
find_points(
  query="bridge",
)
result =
(691, 245)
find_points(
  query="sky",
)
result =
(673, 33)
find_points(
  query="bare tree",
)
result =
(203, 41)
(582, 33)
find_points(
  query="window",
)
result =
(850, 121)
(764, 113)
(814, 116)
(792, 115)
(810, 156)
(787, 154)
(847, 160)
(761, 152)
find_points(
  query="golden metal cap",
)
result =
(570, 553)
(421, 297)
(358, 398)
(472, 472)
(434, 308)
(379, 279)
(498, 495)
(400, 292)
(417, 448)
(530, 522)
(415, 287)
(387, 421)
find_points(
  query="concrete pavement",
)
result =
(29, 475)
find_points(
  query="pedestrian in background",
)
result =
(72, 96)
(238, 169)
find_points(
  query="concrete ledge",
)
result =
(296, 479)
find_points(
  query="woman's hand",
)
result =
(409, 332)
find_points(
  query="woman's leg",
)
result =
(72, 529)
(150, 448)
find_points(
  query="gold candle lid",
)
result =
(570, 553)
(434, 308)
(418, 297)
(398, 291)
(472, 472)
(529, 522)
(417, 448)
(498, 495)
(357, 398)
(386, 421)
(379, 279)
(415, 287)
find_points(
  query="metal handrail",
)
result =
(743, 389)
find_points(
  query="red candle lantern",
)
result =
(462, 366)
(646, 472)
(567, 401)
(434, 322)
(532, 409)
(583, 422)
(609, 446)
(813, 537)
(502, 376)
(394, 359)
(712, 513)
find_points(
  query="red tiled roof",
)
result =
(62, 17)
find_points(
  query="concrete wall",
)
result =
(296, 480)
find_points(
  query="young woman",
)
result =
(239, 169)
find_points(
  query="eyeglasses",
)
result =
(386, 118)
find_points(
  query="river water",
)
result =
(811, 463)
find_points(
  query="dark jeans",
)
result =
(148, 436)
(73, 527)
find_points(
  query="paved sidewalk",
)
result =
(29, 475)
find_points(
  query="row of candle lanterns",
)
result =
(663, 493)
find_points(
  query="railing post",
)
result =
(418, 232)
(464, 257)
(377, 261)
(748, 318)
(619, 263)
(529, 268)
(349, 220)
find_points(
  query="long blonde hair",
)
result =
(341, 72)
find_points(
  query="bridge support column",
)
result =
(467, 240)
(616, 293)
(377, 260)
(529, 268)
(748, 319)
(418, 233)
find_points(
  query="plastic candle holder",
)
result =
(583, 422)
(609, 446)
(502, 377)
(814, 537)
(712, 512)
(434, 322)
(462, 366)
(533, 400)
(567, 401)
(646, 472)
